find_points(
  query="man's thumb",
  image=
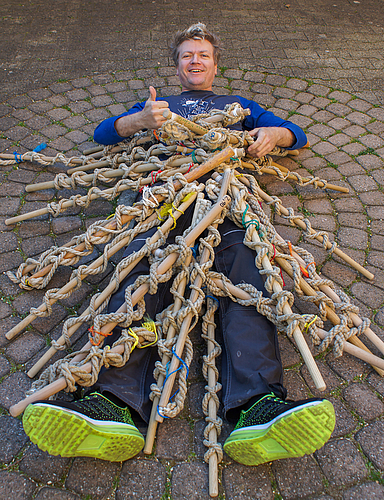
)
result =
(152, 92)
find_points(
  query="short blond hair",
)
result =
(197, 31)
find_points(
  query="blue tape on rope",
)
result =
(17, 159)
(183, 363)
(40, 147)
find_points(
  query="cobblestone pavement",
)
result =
(344, 121)
(338, 41)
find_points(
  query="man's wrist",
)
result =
(128, 125)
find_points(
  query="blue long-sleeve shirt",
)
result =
(193, 102)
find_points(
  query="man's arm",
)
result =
(269, 137)
(270, 130)
(141, 116)
(151, 117)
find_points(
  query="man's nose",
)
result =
(195, 58)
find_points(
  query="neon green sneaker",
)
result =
(90, 427)
(273, 429)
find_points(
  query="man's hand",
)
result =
(152, 114)
(269, 137)
(151, 117)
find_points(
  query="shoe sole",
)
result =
(66, 434)
(300, 433)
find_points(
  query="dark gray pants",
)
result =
(251, 362)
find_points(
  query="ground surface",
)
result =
(320, 65)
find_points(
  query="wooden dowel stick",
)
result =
(297, 334)
(337, 250)
(184, 329)
(359, 353)
(357, 321)
(212, 413)
(291, 176)
(331, 315)
(112, 173)
(191, 176)
(61, 383)
(109, 289)
(152, 424)
(69, 286)
(151, 432)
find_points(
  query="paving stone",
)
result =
(348, 367)
(341, 462)
(342, 275)
(370, 162)
(356, 393)
(297, 477)
(89, 476)
(62, 144)
(152, 480)
(368, 294)
(97, 115)
(54, 131)
(169, 447)
(358, 118)
(364, 491)
(352, 220)
(13, 438)
(36, 245)
(25, 346)
(80, 106)
(77, 136)
(21, 175)
(8, 242)
(185, 477)
(117, 109)
(7, 122)
(355, 238)
(288, 353)
(350, 169)
(55, 494)
(323, 148)
(10, 260)
(102, 100)
(43, 467)
(296, 388)
(13, 389)
(372, 141)
(371, 440)
(81, 82)
(77, 95)
(20, 101)
(345, 420)
(60, 87)
(5, 366)
(241, 482)
(17, 133)
(332, 381)
(339, 109)
(321, 130)
(354, 149)
(15, 486)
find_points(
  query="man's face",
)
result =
(196, 68)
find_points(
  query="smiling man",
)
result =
(268, 426)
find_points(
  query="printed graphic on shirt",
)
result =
(190, 106)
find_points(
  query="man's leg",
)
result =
(269, 428)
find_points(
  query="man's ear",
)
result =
(215, 69)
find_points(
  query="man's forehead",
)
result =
(196, 45)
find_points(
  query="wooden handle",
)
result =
(109, 289)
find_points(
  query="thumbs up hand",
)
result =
(152, 114)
